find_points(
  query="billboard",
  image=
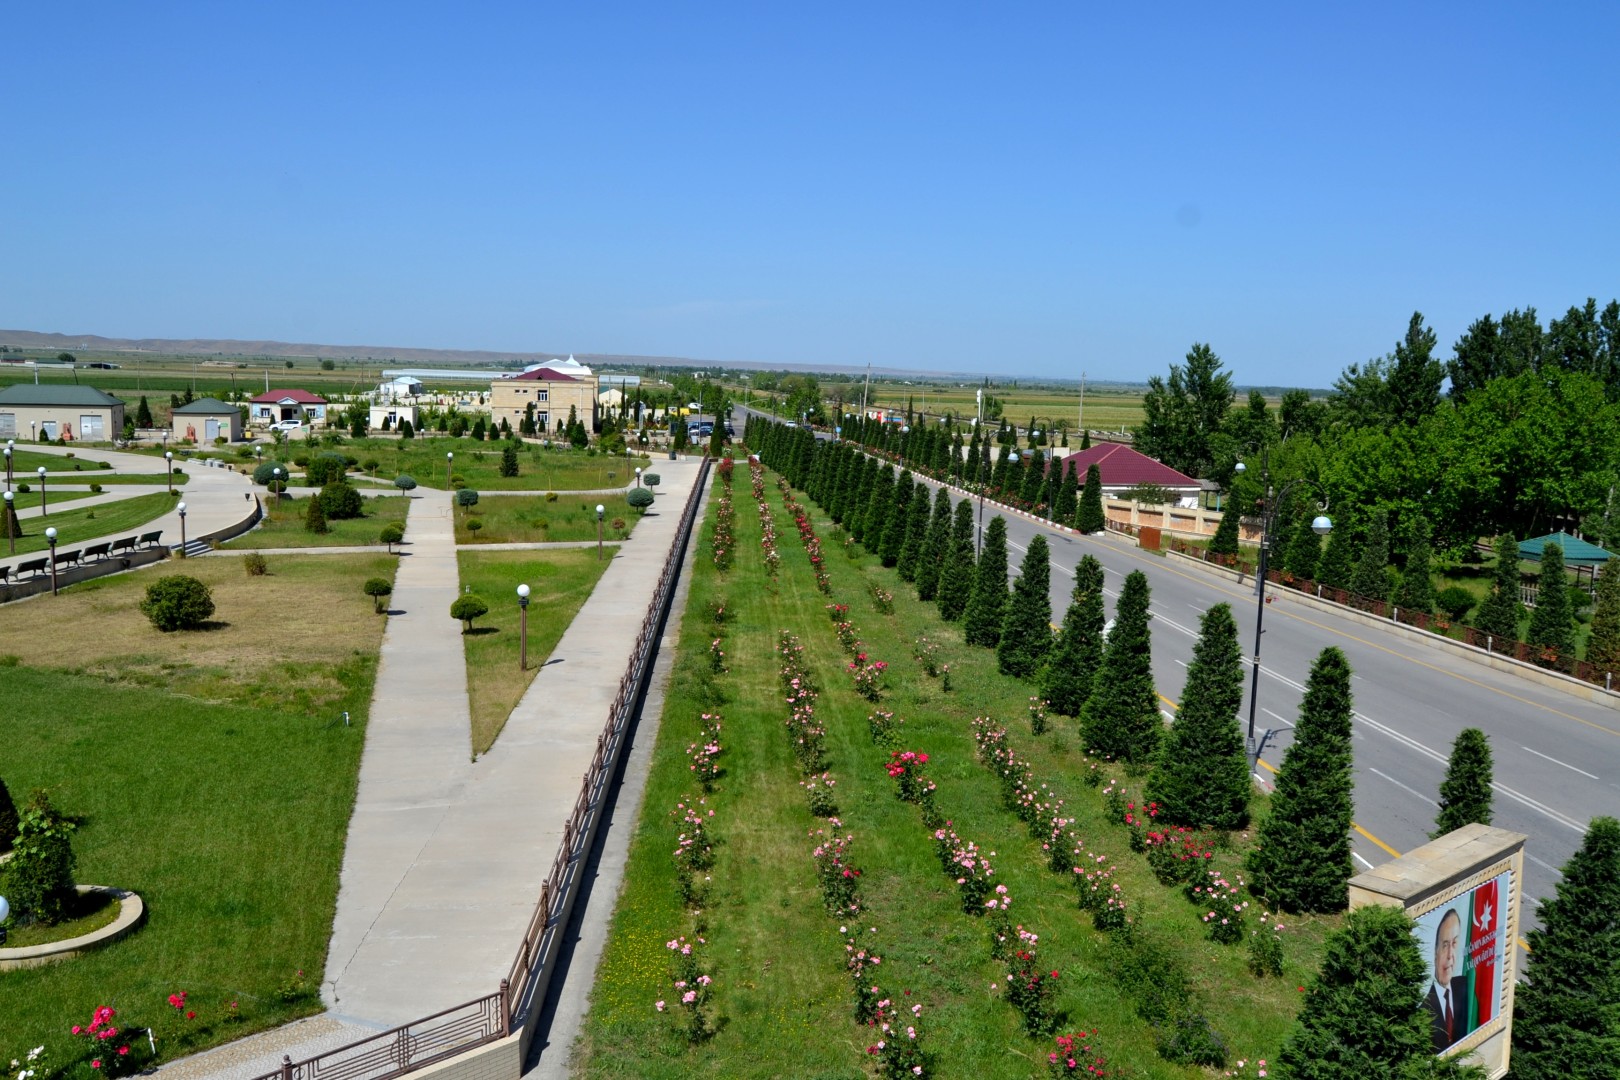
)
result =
(1466, 935)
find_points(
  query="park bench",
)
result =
(150, 538)
(34, 566)
(5, 573)
(68, 557)
(98, 551)
(126, 542)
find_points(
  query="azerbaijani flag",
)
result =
(1480, 964)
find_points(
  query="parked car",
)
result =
(286, 425)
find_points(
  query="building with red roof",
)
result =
(273, 405)
(1123, 468)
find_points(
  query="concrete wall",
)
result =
(499, 1060)
(1173, 519)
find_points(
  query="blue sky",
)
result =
(1034, 189)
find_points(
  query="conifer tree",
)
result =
(877, 509)
(1363, 1014)
(1302, 860)
(1499, 615)
(1333, 570)
(1465, 793)
(1090, 518)
(315, 516)
(1417, 587)
(1565, 1021)
(1026, 627)
(1085, 439)
(1603, 647)
(917, 520)
(935, 546)
(1068, 495)
(11, 528)
(1201, 775)
(957, 570)
(1370, 578)
(898, 520)
(1225, 540)
(1121, 718)
(1304, 549)
(1072, 666)
(1033, 479)
(143, 414)
(1552, 623)
(1001, 478)
(988, 604)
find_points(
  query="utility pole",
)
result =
(1082, 404)
(866, 388)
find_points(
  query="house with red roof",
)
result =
(274, 405)
(1122, 468)
(545, 394)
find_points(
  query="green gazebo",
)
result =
(1577, 552)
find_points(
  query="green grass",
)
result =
(24, 462)
(108, 479)
(207, 774)
(478, 463)
(78, 526)
(286, 528)
(782, 997)
(87, 913)
(521, 518)
(561, 581)
(22, 500)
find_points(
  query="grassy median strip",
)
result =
(478, 463)
(105, 519)
(283, 527)
(505, 519)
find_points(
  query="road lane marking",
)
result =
(1275, 717)
(1354, 854)
(1410, 791)
(1555, 761)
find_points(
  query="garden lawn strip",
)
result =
(104, 519)
(284, 527)
(530, 518)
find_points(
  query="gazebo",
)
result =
(1580, 555)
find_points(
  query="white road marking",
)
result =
(1555, 761)
(1403, 787)
(1275, 717)
(1357, 856)
(1544, 864)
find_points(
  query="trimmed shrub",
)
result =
(177, 602)
(392, 534)
(468, 607)
(474, 524)
(326, 468)
(467, 497)
(255, 564)
(1465, 794)
(651, 479)
(509, 461)
(1455, 601)
(315, 517)
(264, 472)
(639, 498)
(39, 876)
(379, 589)
(405, 482)
(341, 502)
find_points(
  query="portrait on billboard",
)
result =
(1464, 941)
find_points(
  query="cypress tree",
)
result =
(1090, 518)
(1121, 718)
(898, 519)
(1085, 439)
(1072, 666)
(315, 516)
(957, 569)
(12, 529)
(1001, 478)
(988, 603)
(1201, 775)
(1068, 495)
(1304, 550)
(879, 497)
(1225, 540)
(1417, 588)
(1465, 793)
(917, 521)
(935, 544)
(1370, 579)
(1565, 1023)
(1302, 860)
(1033, 479)
(1552, 623)
(1334, 568)
(143, 414)
(1026, 627)
(1603, 647)
(1499, 615)
(1363, 1014)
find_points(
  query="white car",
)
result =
(286, 425)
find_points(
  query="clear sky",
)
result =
(1005, 188)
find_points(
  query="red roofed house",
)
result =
(1122, 468)
(550, 393)
(274, 405)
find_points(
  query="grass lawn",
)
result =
(478, 463)
(77, 526)
(518, 518)
(560, 580)
(22, 500)
(286, 529)
(781, 996)
(107, 479)
(29, 461)
(207, 774)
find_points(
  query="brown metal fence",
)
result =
(483, 1020)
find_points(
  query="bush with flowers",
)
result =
(1245, 1068)
(818, 792)
(705, 753)
(1222, 904)
(1076, 1055)
(867, 676)
(717, 656)
(861, 964)
(694, 851)
(898, 1050)
(1178, 853)
(848, 636)
(1031, 988)
(840, 879)
(926, 652)
(1037, 716)
(1265, 947)
(909, 771)
(968, 865)
(104, 1048)
(885, 728)
(28, 1068)
(882, 599)
(691, 989)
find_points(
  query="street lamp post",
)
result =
(638, 476)
(1321, 525)
(182, 509)
(11, 530)
(44, 509)
(449, 459)
(600, 510)
(523, 627)
(50, 538)
(168, 457)
(9, 447)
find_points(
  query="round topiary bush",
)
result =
(264, 472)
(651, 479)
(340, 501)
(177, 602)
(1455, 601)
(467, 497)
(379, 589)
(404, 482)
(326, 468)
(255, 564)
(639, 498)
(467, 608)
(392, 534)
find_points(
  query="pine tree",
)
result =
(987, 605)
(1001, 477)
(935, 546)
(1072, 666)
(1201, 775)
(143, 414)
(957, 571)
(1121, 718)
(1370, 578)
(1068, 496)
(315, 516)
(1465, 793)
(1302, 860)
(1225, 540)
(898, 519)
(1603, 647)
(1499, 615)
(1304, 550)
(1085, 439)
(509, 461)
(1026, 627)
(1090, 518)
(1552, 623)
(1417, 588)
(917, 521)
(880, 493)
(1034, 478)
(1363, 1015)
(1565, 1023)
(1334, 568)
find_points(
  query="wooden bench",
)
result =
(150, 538)
(68, 557)
(98, 551)
(35, 566)
(5, 573)
(126, 542)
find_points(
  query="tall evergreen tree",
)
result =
(1304, 549)
(917, 517)
(1334, 568)
(988, 605)
(1121, 718)
(1201, 774)
(1417, 587)
(1603, 647)
(957, 571)
(1552, 623)
(1034, 478)
(1072, 666)
(935, 545)
(1225, 540)
(1565, 1019)
(1026, 627)
(894, 528)
(1068, 494)
(1090, 518)
(1002, 477)
(1371, 578)
(1499, 615)
(143, 414)
(881, 494)
(1302, 860)
(1085, 439)
(1465, 793)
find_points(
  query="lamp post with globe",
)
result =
(600, 510)
(523, 627)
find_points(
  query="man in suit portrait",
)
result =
(1447, 1000)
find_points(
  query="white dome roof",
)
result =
(569, 366)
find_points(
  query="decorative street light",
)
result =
(11, 530)
(44, 509)
(1321, 525)
(168, 456)
(449, 458)
(600, 510)
(5, 913)
(50, 538)
(182, 509)
(638, 476)
(9, 448)
(523, 627)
